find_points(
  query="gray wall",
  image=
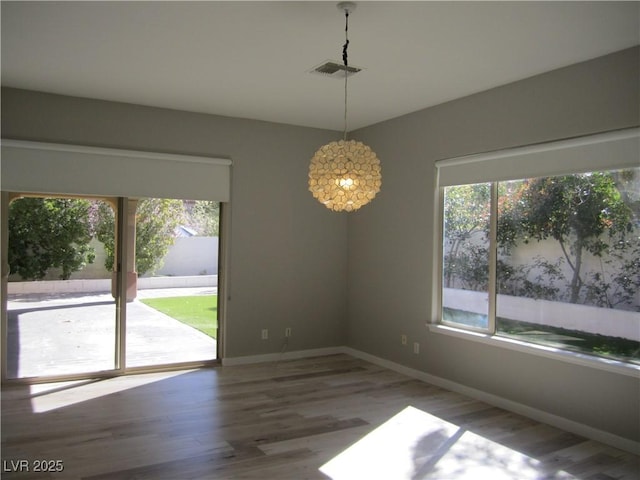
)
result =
(391, 241)
(287, 256)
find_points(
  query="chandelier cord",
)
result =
(345, 175)
(346, 68)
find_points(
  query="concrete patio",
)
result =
(58, 334)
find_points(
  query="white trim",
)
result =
(438, 247)
(112, 152)
(274, 357)
(591, 361)
(519, 408)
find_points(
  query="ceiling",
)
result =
(252, 59)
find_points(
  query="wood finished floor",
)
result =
(285, 420)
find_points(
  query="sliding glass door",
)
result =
(66, 313)
(94, 282)
(172, 296)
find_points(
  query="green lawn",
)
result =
(200, 311)
(601, 345)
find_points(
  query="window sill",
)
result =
(600, 363)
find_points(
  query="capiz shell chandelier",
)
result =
(345, 175)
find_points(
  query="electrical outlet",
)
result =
(403, 339)
(416, 348)
(287, 332)
(265, 334)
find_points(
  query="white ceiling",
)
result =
(251, 59)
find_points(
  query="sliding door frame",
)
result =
(120, 263)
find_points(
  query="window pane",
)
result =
(465, 297)
(61, 316)
(172, 313)
(568, 268)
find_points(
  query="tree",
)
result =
(47, 233)
(466, 215)
(156, 222)
(204, 217)
(618, 285)
(104, 224)
(576, 211)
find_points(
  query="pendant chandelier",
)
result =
(345, 175)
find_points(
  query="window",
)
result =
(552, 258)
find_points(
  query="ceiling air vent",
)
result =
(334, 70)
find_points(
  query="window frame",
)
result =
(626, 143)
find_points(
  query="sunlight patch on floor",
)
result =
(415, 445)
(51, 396)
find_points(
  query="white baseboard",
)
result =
(516, 407)
(274, 357)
